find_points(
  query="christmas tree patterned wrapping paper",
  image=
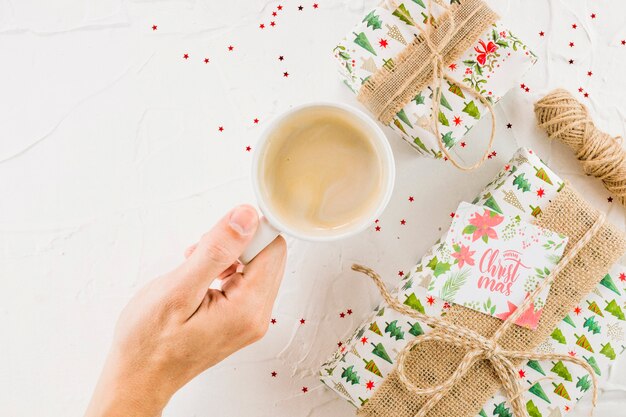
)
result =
(594, 330)
(491, 67)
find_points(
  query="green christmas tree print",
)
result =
(419, 99)
(482, 413)
(557, 335)
(539, 392)
(340, 388)
(561, 391)
(414, 303)
(363, 42)
(533, 364)
(444, 102)
(534, 211)
(448, 140)
(403, 14)
(561, 370)
(567, 319)
(371, 366)
(379, 350)
(607, 350)
(521, 182)
(532, 409)
(374, 328)
(402, 116)
(583, 383)
(394, 330)
(416, 329)
(594, 364)
(592, 325)
(443, 120)
(350, 375)
(614, 309)
(397, 123)
(420, 2)
(471, 109)
(607, 281)
(455, 89)
(419, 143)
(542, 174)
(502, 411)
(595, 308)
(373, 20)
(492, 204)
(583, 342)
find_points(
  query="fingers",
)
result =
(216, 252)
(262, 276)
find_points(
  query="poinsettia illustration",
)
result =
(487, 48)
(482, 226)
(529, 319)
(463, 255)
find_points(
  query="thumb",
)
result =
(218, 249)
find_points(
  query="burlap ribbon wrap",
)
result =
(441, 357)
(424, 62)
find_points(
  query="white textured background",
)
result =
(111, 163)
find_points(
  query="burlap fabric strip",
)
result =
(423, 63)
(456, 368)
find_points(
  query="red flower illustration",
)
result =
(482, 226)
(486, 50)
(463, 255)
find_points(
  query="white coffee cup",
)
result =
(271, 224)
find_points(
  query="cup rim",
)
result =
(386, 156)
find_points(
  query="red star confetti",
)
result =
(302, 321)
(567, 408)
(411, 198)
(401, 273)
(206, 60)
(273, 321)
(221, 128)
(349, 311)
(342, 314)
(593, 15)
(272, 23)
(231, 48)
(248, 148)
(574, 26)
(339, 344)
(586, 95)
(521, 373)
(577, 310)
(378, 228)
(383, 43)
(623, 41)
(589, 73)
(280, 7)
(154, 27)
(571, 61)
(452, 214)
(261, 26)
(457, 120)
(622, 277)
(580, 89)
(463, 144)
(402, 222)
(540, 192)
(610, 199)
(255, 121)
(285, 74)
(315, 5)
(364, 340)
(541, 33)
(305, 390)
(274, 14)
(430, 300)
(369, 385)
(571, 44)
(522, 86)
(274, 374)
(186, 56)
(507, 167)
(452, 66)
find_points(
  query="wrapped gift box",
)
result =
(594, 330)
(495, 64)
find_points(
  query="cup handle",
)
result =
(265, 234)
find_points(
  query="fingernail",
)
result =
(243, 220)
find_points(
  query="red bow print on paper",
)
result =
(487, 49)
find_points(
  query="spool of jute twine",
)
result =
(601, 154)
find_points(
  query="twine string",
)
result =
(479, 347)
(439, 75)
(601, 154)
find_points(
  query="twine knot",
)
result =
(479, 347)
(601, 155)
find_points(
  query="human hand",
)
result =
(176, 327)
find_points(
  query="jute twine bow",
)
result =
(601, 155)
(439, 75)
(482, 348)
